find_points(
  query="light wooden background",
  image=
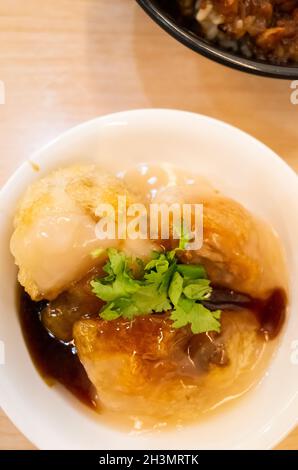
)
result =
(66, 61)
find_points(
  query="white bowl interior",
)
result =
(242, 168)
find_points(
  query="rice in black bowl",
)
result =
(266, 30)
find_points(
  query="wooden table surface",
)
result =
(66, 61)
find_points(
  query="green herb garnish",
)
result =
(164, 285)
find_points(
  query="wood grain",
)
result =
(65, 61)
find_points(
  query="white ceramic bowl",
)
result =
(242, 168)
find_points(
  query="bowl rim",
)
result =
(222, 57)
(38, 437)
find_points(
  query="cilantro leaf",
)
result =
(196, 315)
(198, 289)
(160, 264)
(118, 283)
(150, 299)
(176, 287)
(122, 286)
(192, 271)
(161, 285)
(121, 307)
(111, 312)
(117, 261)
(143, 302)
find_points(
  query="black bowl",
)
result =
(167, 21)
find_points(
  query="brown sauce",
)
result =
(54, 360)
(58, 361)
(270, 312)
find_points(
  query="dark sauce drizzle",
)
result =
(53, 359)
(58, 361)
(270, 312)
